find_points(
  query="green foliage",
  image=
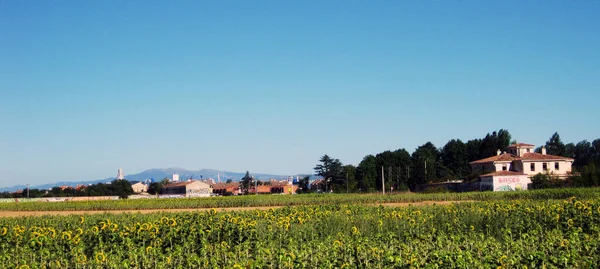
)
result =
(455, 157)
(541, 181)
(367, 174)
(437, 189)
(554, 146)
(156, 187)
(424, 165)
(331, 170)
(395, 167)
(494, 141)
(303, 185)
(246, 182)
(295, 200)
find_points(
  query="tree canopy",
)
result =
(429, 164)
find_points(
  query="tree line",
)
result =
(404, 171)
(121, 188)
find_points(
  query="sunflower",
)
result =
(100, 257)
(81, 259)
(66, 235)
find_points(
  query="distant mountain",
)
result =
(158, 174)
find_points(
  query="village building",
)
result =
(274, 187)
(192, 188)
(513, 169)
(225, 188)
(139, 187)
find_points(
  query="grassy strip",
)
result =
(295, 200)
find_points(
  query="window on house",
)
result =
(504, 167)
(532, 166)
(556, 166)
(527, 150)
(545, 166)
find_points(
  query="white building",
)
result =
(139, 187)
(513, 169)
(192, 188)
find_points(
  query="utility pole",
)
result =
(390, 175)
(27, 190)
(347, 181)
(398, 178)
(255, 185)
(382, 181)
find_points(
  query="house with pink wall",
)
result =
(513, 169)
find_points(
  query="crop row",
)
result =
(509, 234)
(295, 200)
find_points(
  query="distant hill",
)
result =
(158, 174)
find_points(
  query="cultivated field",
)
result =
(529, 230)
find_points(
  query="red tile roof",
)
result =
(317, 182)
(539, 156)
(520, 145)
(179, 184)
(226, 185)
(506, 157)
(503, 173)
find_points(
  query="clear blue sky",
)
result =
(87, 87)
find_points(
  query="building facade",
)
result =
(513, 169)
(224, 188)
(139, 187)
(192, 188)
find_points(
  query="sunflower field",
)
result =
(488, 234)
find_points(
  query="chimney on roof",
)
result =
(498, 152)
(543, 150)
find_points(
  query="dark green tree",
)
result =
(424, 163)
(570, 150)
(455, 158)
(596, 152)
(583, 154)
(329, 169)
(493, 142)
(473, 147)
(554, 146)
(396, 165)
(350, 184)
(156, 187)
(541, 181)
(246, 182)
(367, 174)
(303, 185)
(590, 175)
(121, 188)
